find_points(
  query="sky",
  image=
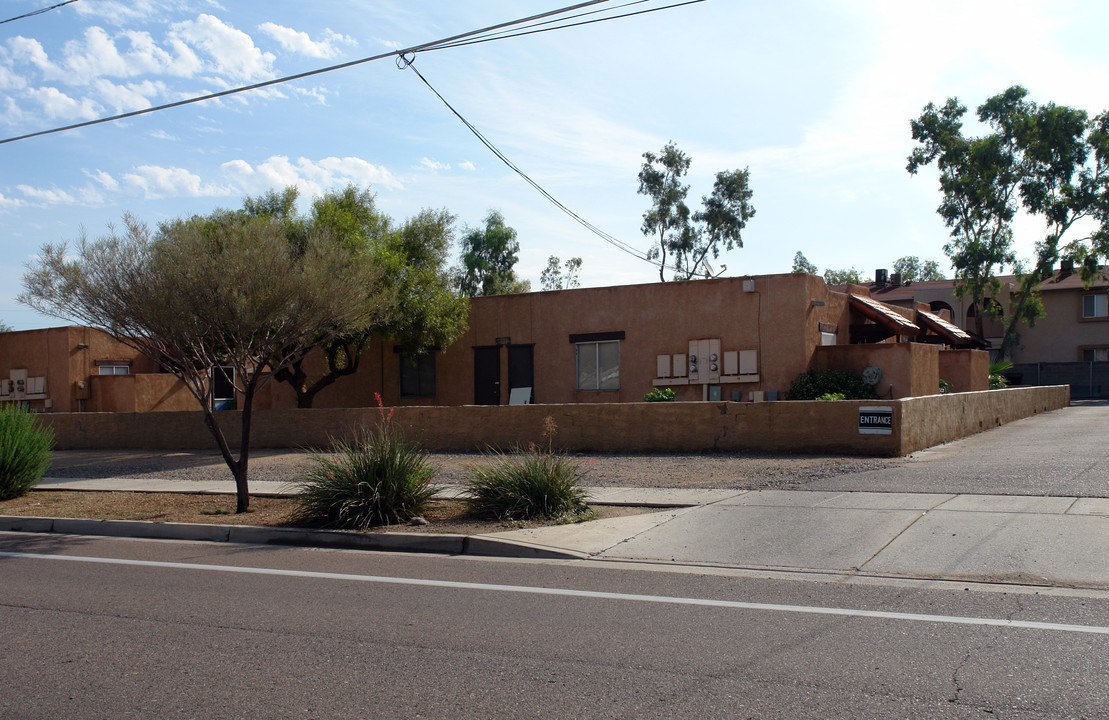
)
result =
(814, 97)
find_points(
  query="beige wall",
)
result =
(55, 353)
(966, 370)
(907, 368)
(928, 421)
(818, 427)
(140, 393)
(1062, 333)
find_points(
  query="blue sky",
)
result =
(814, 97)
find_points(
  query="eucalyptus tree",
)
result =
(1049, 160)
(684, 239)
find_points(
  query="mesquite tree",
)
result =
(210, 292)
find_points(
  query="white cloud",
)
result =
(132, 96)
(230, 52)
(161, 182)
(300, 42)
(467, 165)
(104, 180)
(434, 164)
(8, 203)
(118, 12)
(391, 44)
(312, 177)
(57, 104)
(319, 94)
(50, 197)
(10, 80)
(162, 135)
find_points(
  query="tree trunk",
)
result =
(242, 490)
(237, 467)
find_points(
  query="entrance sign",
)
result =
(876, 420)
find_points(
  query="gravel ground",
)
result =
(730, 471)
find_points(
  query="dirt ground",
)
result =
(724, 471)
(746, 471)
(443, 516)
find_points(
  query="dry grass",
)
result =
(444, 516)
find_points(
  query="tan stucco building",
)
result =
(742, 339)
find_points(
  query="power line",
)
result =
(404, 63)
(38, 12)
(299, 76)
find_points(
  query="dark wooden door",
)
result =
(487, 376)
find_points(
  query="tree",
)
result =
(849, 276)
(801, 264)
(489, 257)
(911, 269)
(1049, 160)
(4, 327)
(422, 309)
(553, 279)
(207, 293)
(686, 238)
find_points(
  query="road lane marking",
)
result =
(592, 594)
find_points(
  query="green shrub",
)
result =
(997, 370)
(379, 479)
(945, 386)
(526, 484)
(661, 395)
(831, 396)
(25, 451)
(813, 384)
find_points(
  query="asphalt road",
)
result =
(1061, 453)
(190, 630)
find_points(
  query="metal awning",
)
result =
(896, 323)
(950, 332)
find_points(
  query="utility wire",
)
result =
(38, 12)
(405, 63)
(298, 76)
(488, 34)
(515, 34)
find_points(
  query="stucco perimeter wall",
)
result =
(935, 419)
(810, 427)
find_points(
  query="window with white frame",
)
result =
(114, 370)
(1095, 306)
(598, 365)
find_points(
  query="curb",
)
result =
(479, 545)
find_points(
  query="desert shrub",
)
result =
(812, 384)
(831, 396)
(526, 484)
(660, 395)
(25, 451)
(380, 478)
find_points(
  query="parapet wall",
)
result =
(802, 427)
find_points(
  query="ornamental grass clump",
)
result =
(381, 478)
(25, 451)
(528, 484)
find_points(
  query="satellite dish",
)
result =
(872, 376)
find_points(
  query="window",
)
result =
(417, 374)
(114, 370)
(1096, 354)
(598, 365)
(1095, 306)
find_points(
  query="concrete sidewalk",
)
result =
(1055, 541)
